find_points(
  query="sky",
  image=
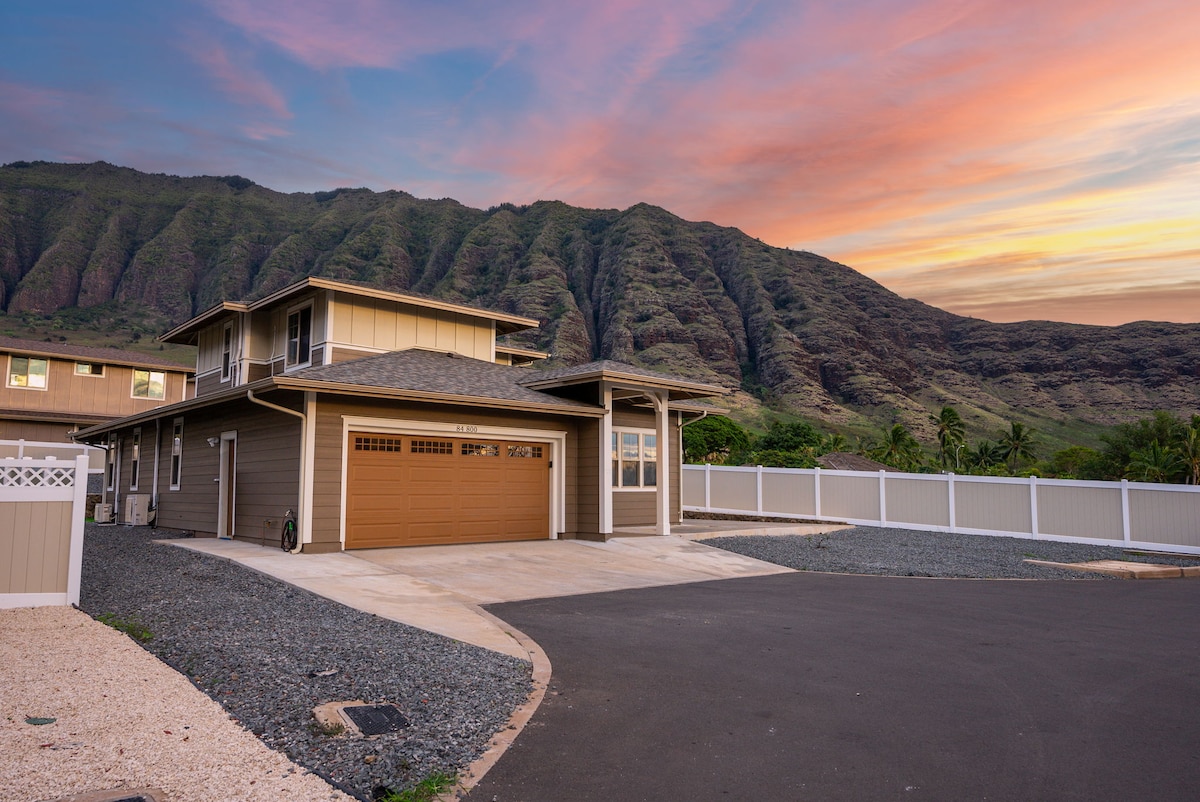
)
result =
(1008, 160)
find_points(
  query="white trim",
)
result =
(223, 364)
(9, 601)
(78, 513)
(557, 440)
(606, 483)
(226, 481)
(307, 458)
(662, 461)
(287, 334)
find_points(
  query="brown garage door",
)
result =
(423, 490)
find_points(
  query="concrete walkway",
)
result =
(441, 588)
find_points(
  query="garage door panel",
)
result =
(422, 490)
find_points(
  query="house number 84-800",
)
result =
(467, 429)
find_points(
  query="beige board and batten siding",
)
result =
(90, 398)
(38, 431)
(266, 472)
(35, 546)
(330, 445)
(378, 325)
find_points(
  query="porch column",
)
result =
(606, 483)
(662, 428)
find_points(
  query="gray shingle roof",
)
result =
(114, 356)
(439, 373)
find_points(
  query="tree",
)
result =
(788, 437)
(1076, 462)
(950, 434)
(897, 448)
(1125, 438)
(1188, 445)
(1154, 463)
(833, 442)
(1018, 443)
(713, 439)
(985, 455)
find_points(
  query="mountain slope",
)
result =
(639, 285)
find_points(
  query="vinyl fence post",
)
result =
(950, 493)
(78, 511)
(707, 487)
(758, 488)
(1033, 518)
(882, 499)
(816, 492)
(1125, 527)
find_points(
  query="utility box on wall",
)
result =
(102, 513)
(137, 510)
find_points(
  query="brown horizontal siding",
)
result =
(587, 483)
(634, 508)
(105, 396)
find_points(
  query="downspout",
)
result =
(303, 461)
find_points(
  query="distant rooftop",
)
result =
(88, 353)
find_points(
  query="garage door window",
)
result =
(377, 444)
(480, 449)
(525, 452)
(432, 447)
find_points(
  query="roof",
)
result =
(609, 370)
(845, 461)
(437, 373)
(505, 323)
(88, 353)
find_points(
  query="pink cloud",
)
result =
(243, 83)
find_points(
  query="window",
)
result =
(377, 444)
(135, 459)
(431, 447)
(525, 452)
(149, 384)
(299, 337)
(226, 350)
(176, 453)
(89, 369)
(481, 449)
(27, 371)
(634, 459)
(110, 463)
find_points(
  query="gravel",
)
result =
(265, 651)
(907, 552)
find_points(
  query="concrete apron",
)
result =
(441, 588)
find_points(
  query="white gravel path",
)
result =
(124, 720)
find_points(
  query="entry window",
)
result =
(226, 351)
(432, 447)
(634, 459)
(481, 449)
(149, 384)
(89, 369)
(299, 337)
(135, 455)
(27, 371)
(176, 453)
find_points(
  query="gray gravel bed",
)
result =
(907, 552)
(259, 647)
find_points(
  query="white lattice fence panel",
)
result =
(22, 476)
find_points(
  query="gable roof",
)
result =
(88, 353)
(505, 322)
(610, 370)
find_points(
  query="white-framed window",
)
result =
(299, 337)
(149, 384)
(176, 452)
(89, 369)
(28, 372)
(135, 459)
(634, 459)
(227, 351)
(110, 463)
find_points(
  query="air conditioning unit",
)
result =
(137, 510)
(102, 514)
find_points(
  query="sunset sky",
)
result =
(1008, 160)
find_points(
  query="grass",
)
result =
(130, 626)
(424, 791)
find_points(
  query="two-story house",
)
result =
(51, 390)
(379, 418)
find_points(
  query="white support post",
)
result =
(708, 487)
(78, 513)
(758, 489)
(1033, 516)
(882, 498)
(662, 455)
(950, 491)
(606, 483)
(1126, 529)
(816, 492)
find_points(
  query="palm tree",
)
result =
(950, 434)
(897, 448)
(1154, 463)
(1018, 443)
(1188, 445)
(833, 442)
(985, 455)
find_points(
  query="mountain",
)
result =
(93, 245)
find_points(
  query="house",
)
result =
(376, 418)
(52, 389)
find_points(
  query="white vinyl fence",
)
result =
(1129, 514)
(20, 449)
(41, 530)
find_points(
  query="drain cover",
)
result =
(376, 719)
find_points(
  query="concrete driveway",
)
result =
(828, 687)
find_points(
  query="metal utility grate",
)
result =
(376, 719)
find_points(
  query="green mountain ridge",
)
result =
(92, 245)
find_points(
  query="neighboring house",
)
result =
(53, 389)
(846, 461)
(382, 419)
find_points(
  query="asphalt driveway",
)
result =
(827, 687)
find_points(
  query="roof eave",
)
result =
(685, 388)
(185, 333)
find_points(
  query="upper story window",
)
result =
(634, 459)
(299, 337)
(226, 351)
(27, 371)
(89, 369)
(149, 384)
